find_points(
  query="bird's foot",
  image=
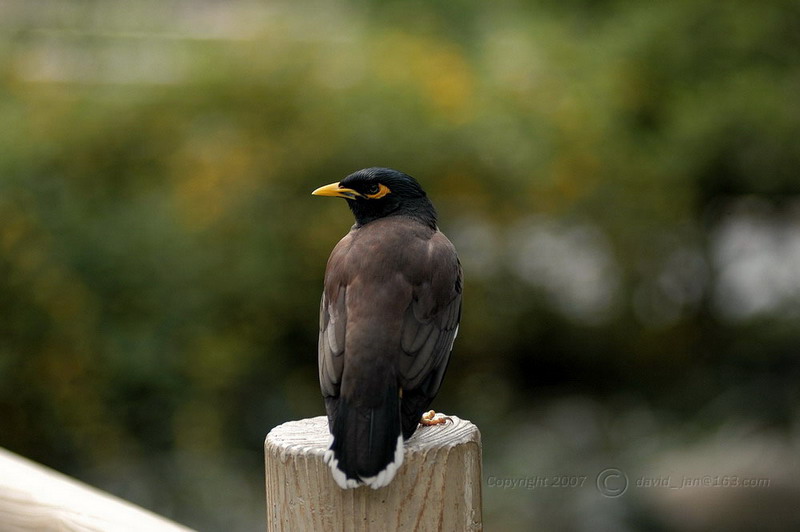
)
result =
(432, 418)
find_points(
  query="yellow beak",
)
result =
(335, 191)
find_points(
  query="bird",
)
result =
(389, 316)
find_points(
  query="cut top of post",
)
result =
(311, 435)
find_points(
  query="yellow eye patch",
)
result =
(382, 191)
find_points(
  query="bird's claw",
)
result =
(432, 418)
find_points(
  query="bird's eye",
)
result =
(376, 191)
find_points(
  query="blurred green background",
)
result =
(620, 178)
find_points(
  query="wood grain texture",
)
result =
(437, 488)
(35, 498)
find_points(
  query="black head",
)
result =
(374, 193)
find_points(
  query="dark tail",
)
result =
(367, 446)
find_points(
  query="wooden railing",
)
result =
(36, 498)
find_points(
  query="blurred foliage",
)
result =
(595, 162)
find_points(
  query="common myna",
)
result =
(388, 318)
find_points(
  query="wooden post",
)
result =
(438, 486)
(35, 498)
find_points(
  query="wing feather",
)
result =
(430, 326)
(333, 321)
